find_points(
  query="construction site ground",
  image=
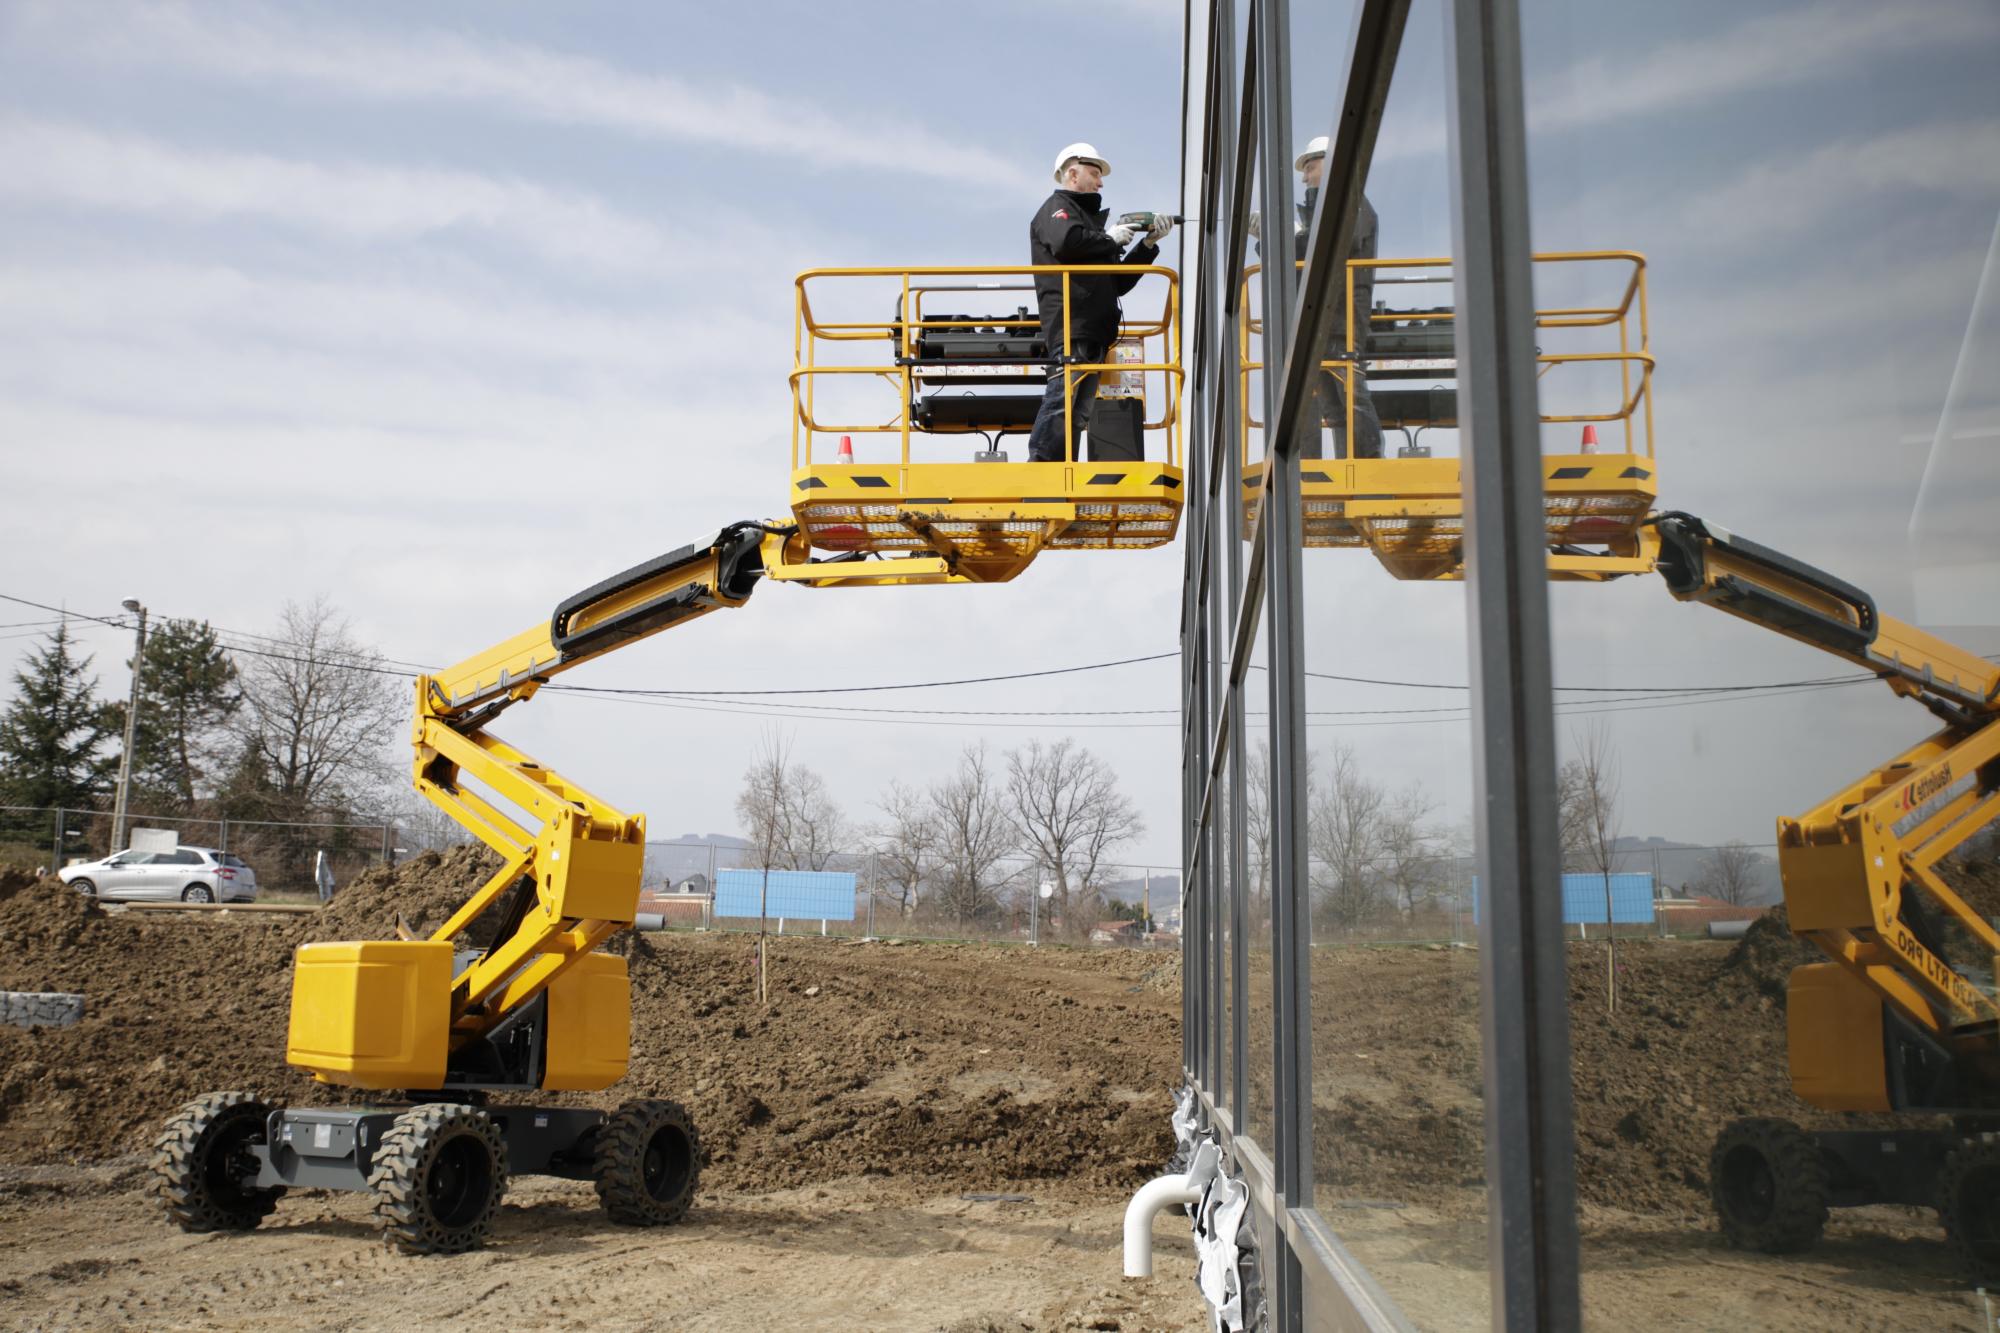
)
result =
(858, 1127)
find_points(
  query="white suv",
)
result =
(189, 874)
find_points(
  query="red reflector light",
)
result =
(224, 872)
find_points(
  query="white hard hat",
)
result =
(1315, 147)
(1080, 150)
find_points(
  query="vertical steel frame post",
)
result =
(1285, 668)
(1524, 1015)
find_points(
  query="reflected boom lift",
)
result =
(431, 1033)
(1903, 1017)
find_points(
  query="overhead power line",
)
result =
(1615, 698)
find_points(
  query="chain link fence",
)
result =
(1126, 904)
(283, 853)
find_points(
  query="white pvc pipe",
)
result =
(1157, 1195)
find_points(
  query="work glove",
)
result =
(1161, 226)
(1121, 235)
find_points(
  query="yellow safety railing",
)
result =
(810, 335)
(1628, 309)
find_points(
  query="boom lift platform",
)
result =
(1408, 509)
(917, 382)
(432, 1033)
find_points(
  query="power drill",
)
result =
(1148, 221)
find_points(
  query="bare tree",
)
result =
(1068, 812)
(1597, 788)
(321, 716)
(974, 834)
(906, 845)
(1729, 872)
(815, 828)
(1413, 850)
(788, 811)
(761, 804)
(1257, 826)
(1572, 815)
(1345, 821)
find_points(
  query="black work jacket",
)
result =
(1365, 227)
(1069, 229)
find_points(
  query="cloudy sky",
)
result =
(445, 317)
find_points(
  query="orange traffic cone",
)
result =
(846, 453)
(1590, 439)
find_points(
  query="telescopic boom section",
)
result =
(574, 866)
(1850, 865)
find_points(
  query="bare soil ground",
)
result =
(846, 1123)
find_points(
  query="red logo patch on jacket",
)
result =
(1062, 213)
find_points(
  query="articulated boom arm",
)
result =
(1846, 864)
(578, 870)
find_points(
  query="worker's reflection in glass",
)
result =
(1326, 404)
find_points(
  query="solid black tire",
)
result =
(197, 893)
(438, 1176)
(1969, 1206)
(648, 1160)
(1769, 1186)
(201, 1156)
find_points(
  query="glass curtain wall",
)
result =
(1812, 193)
(1498, 840)
(1396, 1099)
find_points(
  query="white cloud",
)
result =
(257, 46)
(1818, 41)
(1794, 192)
(45, 163)
(1791, 47)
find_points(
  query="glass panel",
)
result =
(1815, 192)
(1225, 1081)
(1260, 999)
(1397, 1108)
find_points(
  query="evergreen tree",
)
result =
(53, 732)
(187, 695)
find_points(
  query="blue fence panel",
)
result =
(803, 895)
(1631, 899)
(1583, 899)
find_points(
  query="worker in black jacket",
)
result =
(1326, 403)
(1069, 228)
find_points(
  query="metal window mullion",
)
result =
(1229, 519)
(1524, 1016)
(1218, 876)
(1285, 668)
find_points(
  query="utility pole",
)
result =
(131, 717)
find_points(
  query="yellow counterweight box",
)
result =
(373, 1013)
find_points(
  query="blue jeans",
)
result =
(1045, 440)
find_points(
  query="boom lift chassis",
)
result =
(539, 1007)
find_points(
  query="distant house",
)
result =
(1117, 932)
(1693, 915)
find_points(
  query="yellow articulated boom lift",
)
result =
(441, 1041)
(1903, 1018)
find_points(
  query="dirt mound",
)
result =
(423, 891)
(39, 920)
(1697, 1040)
(13, 879)
(1762, 961)
(979, 1064)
